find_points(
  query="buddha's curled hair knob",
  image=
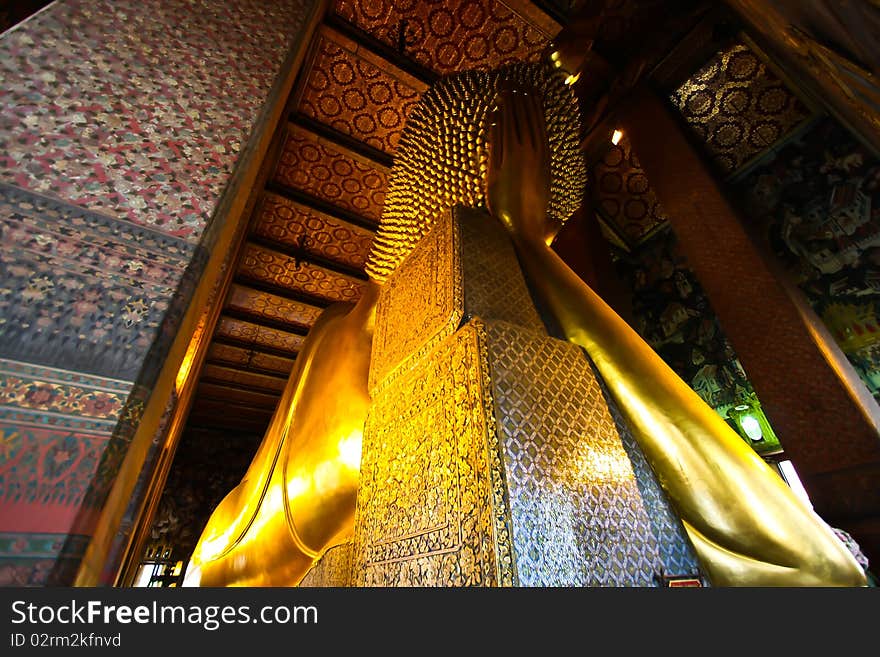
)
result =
(442, 154)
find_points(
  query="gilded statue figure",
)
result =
(746, 525)
(505, 143)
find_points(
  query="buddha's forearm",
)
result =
(746, 525)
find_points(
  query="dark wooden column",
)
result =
(825, 419)
(582, 247)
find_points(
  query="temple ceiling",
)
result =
(325, 179)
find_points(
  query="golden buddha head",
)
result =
(442, 158)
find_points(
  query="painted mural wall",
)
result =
(122, 123)
(672, 313)
(817, 201)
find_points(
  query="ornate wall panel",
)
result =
(312, 232)
(453, 36)
(427, 515)
(327, 172)
(258, 263)
(139, 110)
(54, 427)
(356, 97)
(577, 506)
(57, 430)
(238, 357)
(738, 107)
(131, 117)
(240, 377)
(623, 197)
(260, 336)
(494, 287)
(420, 303)
(263, 305)
(80, 288)
(333, 569)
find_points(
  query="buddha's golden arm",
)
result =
(746, 525)
(298, 496)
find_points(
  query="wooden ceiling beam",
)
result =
(342, 140)
(380, 49)
(315, 203)
(239, 386)
(244, 344)
(249, 369)
(301, 255)
(268, 322)
(281, 291)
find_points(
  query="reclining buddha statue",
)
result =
(345, 463)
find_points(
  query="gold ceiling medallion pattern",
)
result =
(263, 305)
(312, 232)
(258, 336)
(356, 97)
(453, 36)
(442, 158)
(738, 107)
(623, 197)
(328, 173)
(258, 263)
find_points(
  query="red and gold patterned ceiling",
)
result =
(368, 63)
(311, 230)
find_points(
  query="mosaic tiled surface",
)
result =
(577, 503)
(271, 306)
(738, 107)
(494, 287)
(354, 96)
(139, 110)
(674, 550)
(313, 233)
(330, 174)
(82, 289)
(452, 36)
(261, 264)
